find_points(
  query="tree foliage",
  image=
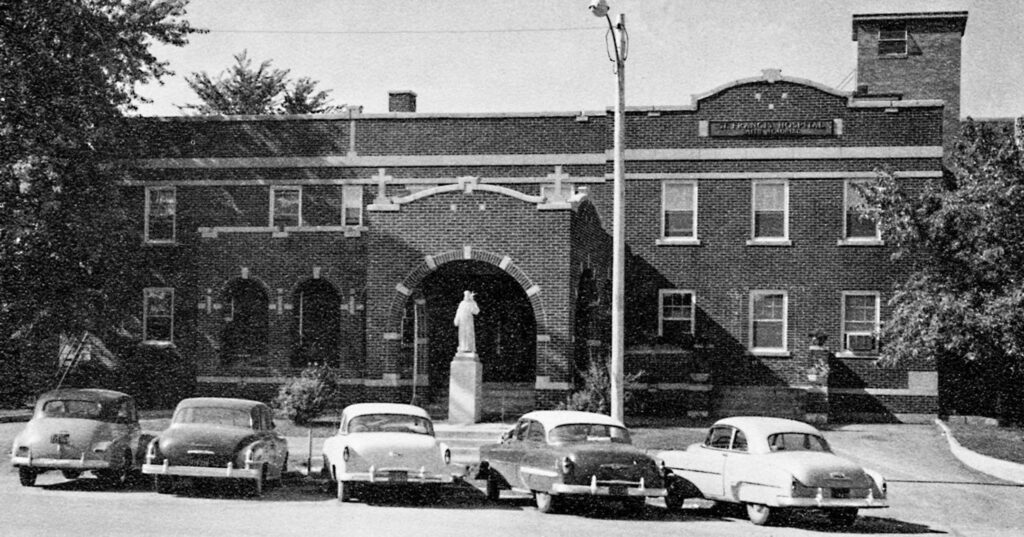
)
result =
(246, 90)
(964, 236)
(68, 73)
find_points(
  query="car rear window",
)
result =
(72, 408)
(390, 423)
(223, 417)
(797, 442)
(588, 432)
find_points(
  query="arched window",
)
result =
(317, 324)
(245, 322)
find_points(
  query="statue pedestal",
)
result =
(465, 389)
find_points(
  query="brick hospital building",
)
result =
(275, 242)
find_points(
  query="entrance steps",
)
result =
(774, 401)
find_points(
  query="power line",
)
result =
(399, 32)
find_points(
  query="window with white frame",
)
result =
(285, 206)
(892, 40)
(675, 313)
(161, 213)
(158, 314)
(860, 322)
(679, 210)
(352, 205)
(857, 224)
(768, 321)
(770, 205)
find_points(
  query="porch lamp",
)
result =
(620, 43)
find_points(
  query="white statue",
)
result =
(464, 320)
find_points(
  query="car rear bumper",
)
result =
(61, 464)
(609, 490)
(828, 503)
(201, 471)
(396, 476)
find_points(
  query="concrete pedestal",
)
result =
(465, 389)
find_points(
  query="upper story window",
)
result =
(768, 321)
(860, 322)
(158, 314)
(161, 214)
(892, 40)
(857, 224)
(352, 205)
(770, 208)
(679, 210)
(285, 206)
(675, 313)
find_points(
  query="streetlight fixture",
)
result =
(620, 42)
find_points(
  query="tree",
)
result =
(68, 73)
(963, 304)
(244, 90)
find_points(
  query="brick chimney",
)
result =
(401, 101)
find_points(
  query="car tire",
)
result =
(70, 474)
(163, 484)
(546, 503)
(676, 494)
(760, 514)
(344, 491)
(493, 488)
(27, 476)
(843, 517)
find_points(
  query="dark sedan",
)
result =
(218, 438)
(555, 454)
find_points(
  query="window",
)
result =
(892, 40)
(860, 322)
(160, 214)
(857, 224)
(767, 321)
(158, 314)
(719, 437)
(770, 203)
(679, 210)
(352, 206)
(675, 313)
(285, 207)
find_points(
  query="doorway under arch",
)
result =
(506, 327)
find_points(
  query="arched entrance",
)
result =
(506, 328)
(244, 336)
(316, 324)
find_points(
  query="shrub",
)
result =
(306, 397)
(595, 394)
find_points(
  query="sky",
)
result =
(491, 56)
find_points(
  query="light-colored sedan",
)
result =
(771, 465)
(385, 445)
(81, 430)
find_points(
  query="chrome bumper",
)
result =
(395, 476)
(827, 503)
(611, 489)
(228, 471)
(62, 464)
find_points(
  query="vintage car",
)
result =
(218, 438)
(771, 465)
(81, 430)
(380, 445)
(555, 454)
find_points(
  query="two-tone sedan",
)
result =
(771, 465)
(385, 445)
(218, 438)
(555, 454)
(81, 430)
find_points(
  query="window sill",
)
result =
(860, 242)
(893, 56)
(769, 242)
(160, 243)
(857, 355)
(770, 353)
(349, 231)
(677, 242)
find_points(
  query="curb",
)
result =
(1005, 470)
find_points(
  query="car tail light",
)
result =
(567, 465)
(447, 456)
(345, 454)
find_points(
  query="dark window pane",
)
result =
(769, 224)
(767, 334)
(679, 223)
(892, 47)
(858, 225)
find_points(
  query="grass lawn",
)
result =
(1005, 443)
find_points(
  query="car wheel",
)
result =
(493, 490)
(163, 484)
(759, 514)
(27, 476)
(70, 474)
(546, 503)
(844, 517)
(344, 491)
(675, 497)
